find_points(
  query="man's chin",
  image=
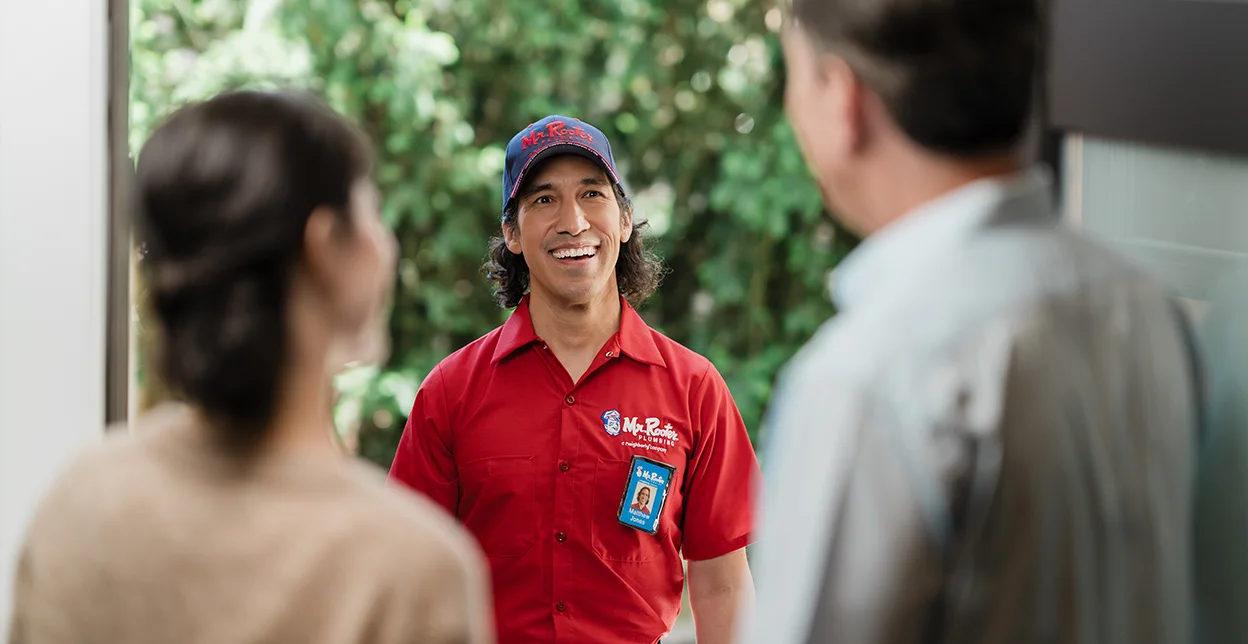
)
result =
(838, 212)
(574, 291)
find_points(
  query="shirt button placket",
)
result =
(565, 495)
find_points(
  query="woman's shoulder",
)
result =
(407, 535)
(402, 510)
(98, 485)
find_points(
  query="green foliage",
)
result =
(690, 94)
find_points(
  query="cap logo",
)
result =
(555, 131)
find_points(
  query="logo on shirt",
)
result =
(611, 422)
(651, 434)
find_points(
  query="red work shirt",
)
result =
(536, 466)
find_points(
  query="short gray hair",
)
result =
(958, 76)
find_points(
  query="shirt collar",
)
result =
(634, 339)
(517, 332)
(932, 228)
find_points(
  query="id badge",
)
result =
(642, 504)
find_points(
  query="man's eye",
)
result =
(542, 199)
(593, 193)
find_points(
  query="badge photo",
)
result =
(644, 496)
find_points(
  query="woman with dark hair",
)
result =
(232, 516)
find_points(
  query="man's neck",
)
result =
(920, 180)
(575, 331)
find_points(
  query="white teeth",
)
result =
(568, 253)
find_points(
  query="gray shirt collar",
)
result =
(935, 228)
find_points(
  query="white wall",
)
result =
(53, 241)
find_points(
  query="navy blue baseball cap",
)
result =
(553, 136)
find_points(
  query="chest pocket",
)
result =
(611, 540)
(499, 504)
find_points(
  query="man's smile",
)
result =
(575, 253)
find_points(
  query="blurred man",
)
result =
(993, 440)
(1222, 482)
(537, 435)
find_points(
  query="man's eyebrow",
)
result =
(536, 188)
(542, 187)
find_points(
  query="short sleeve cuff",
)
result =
(704, 551)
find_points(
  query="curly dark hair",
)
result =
(638, 271)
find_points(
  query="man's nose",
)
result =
(572, 219)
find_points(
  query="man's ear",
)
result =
(626, 224)
(849, 96)
(511, 235)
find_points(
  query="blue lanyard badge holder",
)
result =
(646, 492)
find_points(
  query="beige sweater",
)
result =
(159, 538)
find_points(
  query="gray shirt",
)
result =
(991, 442)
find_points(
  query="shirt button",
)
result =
(561, 607)
(561, 537)
(569, 399)
(610, 353)
(564, 466)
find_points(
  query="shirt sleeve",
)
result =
(21, 600)
(424, 460)
(843, 552)
(1221, 503)
(47, 587)
(718, 515)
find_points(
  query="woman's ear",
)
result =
(319, 247)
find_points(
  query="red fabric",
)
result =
(501, 437)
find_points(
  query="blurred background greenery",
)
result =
(689, 92)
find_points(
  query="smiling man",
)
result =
(540, 435)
